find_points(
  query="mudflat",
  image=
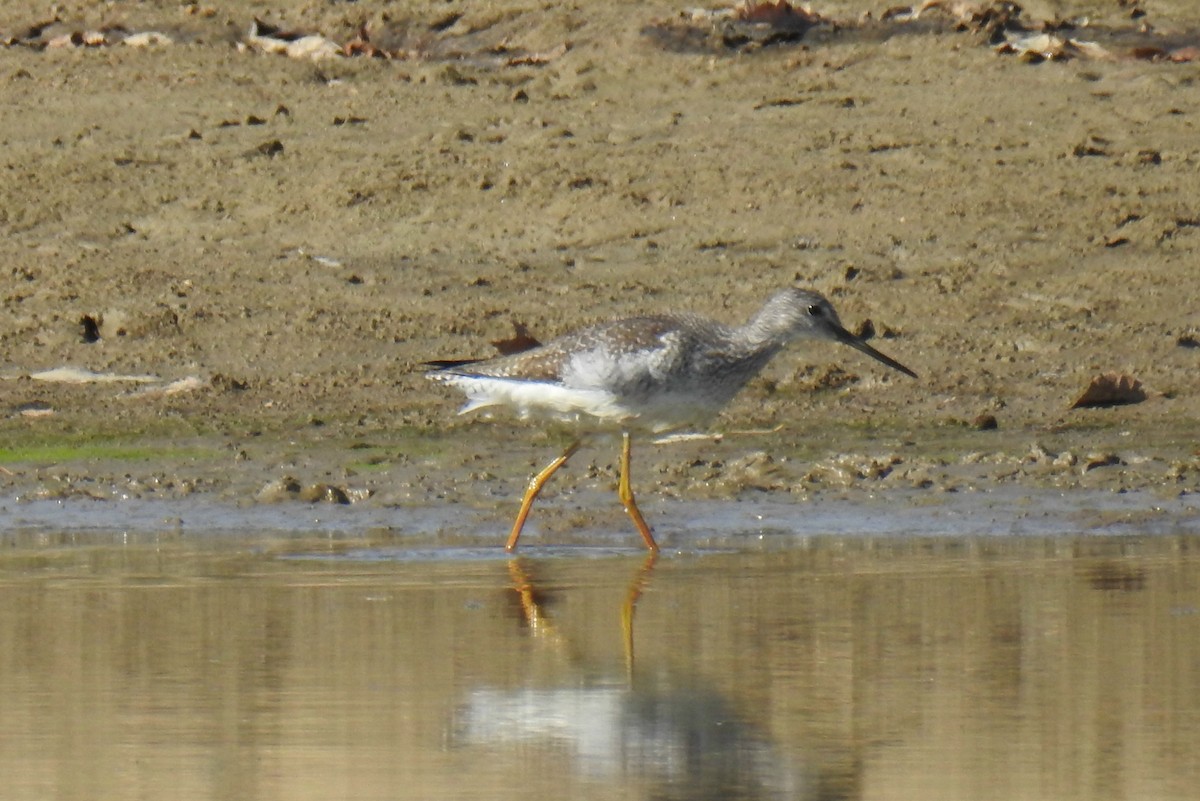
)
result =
(259, 251)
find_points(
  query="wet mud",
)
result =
(272, 246)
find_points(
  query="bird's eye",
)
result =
(815, 310)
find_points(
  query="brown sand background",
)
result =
(299, 236)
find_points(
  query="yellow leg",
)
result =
(535, 486)
(625, 493)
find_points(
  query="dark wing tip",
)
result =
(437, 365)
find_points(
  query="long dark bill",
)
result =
(846, 337)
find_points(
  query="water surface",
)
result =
(151, 663)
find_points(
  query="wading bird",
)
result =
(653, 373)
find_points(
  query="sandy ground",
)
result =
(298, 236)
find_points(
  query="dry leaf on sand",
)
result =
(1111, 389)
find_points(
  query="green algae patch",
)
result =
(61, 452)
(168, 442)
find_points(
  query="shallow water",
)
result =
(160, 661)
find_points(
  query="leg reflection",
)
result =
(640, 581)
(531, 600)
(663, 730)
(533, 611)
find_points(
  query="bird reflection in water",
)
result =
(677, 739)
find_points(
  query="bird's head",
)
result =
(796, 313)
